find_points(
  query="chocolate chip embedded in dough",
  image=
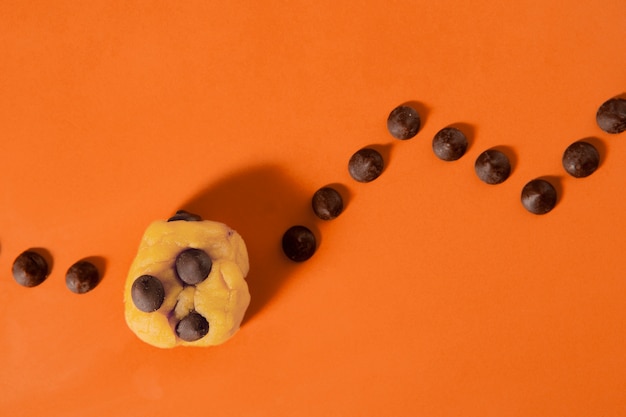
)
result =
(327, 203)
(192, 327)
(82, 277)
(193, 266)
(366, 165)
(147, 293)
(30, 269)
(184, 215)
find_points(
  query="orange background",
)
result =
(433, 294)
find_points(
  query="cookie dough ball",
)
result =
(186, 286)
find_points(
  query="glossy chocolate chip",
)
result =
(366, 165)
(581, 159)
(327, 203)
(539, 196)
(192, 327)
(82, 277)
(185, 216)
(193, 266)
(492, 167)
(30, 269)
(147, 293)
(299, 243)
(449, 144)
(403, 122)
(611, 115)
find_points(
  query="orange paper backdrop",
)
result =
(433, 294)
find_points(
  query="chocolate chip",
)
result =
(192, 327)
(449, 144)
(327, 203)
(492, 167)
(581, 159)
(539, 196)
(403, 122)
(366, 165)
(30, 269)
(147, 293)
(193, 266)
(611, 116)
(299, 243)
(184, 215)
(82, 277)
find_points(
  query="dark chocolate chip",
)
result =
(193, 266)
(30, 269)
(449, 144)
(492, 167)
(299, 243)
(611, 115)
(327, 203)
(147, 293)
(403, 122)
(539, 196)
(366, 165)
(192, 327)
(581, 159)
(184, 215)
(82, 277)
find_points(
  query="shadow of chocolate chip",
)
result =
(260, 203)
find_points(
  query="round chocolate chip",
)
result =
(449, 144)
(403, 122)
(327, 203)
(611, 115)
(193, 266)
(147, 293)
(492, 167)
(539, 196)
(299, 243)
(30, 269)
(581, 159)
(82, 277)
(366, 165)
(185, 216)
(192, 327)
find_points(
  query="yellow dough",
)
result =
(222, 298)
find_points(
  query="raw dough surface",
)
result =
(222, 298)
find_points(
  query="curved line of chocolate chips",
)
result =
(147, 293)
(192, 327)
(193, 266)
